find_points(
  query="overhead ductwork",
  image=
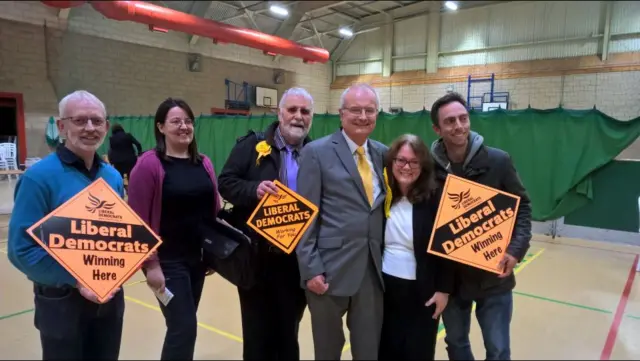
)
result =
(161, 18)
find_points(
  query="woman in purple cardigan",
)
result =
(173, 188)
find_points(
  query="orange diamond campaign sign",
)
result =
(474, 224)
(284, 218)
(97, 238)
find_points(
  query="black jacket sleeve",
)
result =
(445, 275)
(135, 142)
(521, 238)
(444, 269)
(232, 182)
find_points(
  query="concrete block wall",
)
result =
(130, 68)
(615, 94)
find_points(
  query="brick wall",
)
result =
(615, 94)
(130, 68)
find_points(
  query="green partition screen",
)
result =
(616, 189)
(556, 151)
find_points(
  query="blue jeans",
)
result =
(494, 316)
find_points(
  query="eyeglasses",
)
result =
(400, 162)
(83, 121)
(358, 110)
(177, 122)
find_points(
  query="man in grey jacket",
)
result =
(461, 152)
(340, 255)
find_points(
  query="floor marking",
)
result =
(530, 258)
(633, 317)
(517, 270)
(203, 325)
(15, 314)
(594, 248)
(617, 319)
(134, 283)
(346, 347)
(562, 302)
(32, 309)
(144, 304)
(233, 337)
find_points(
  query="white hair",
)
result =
(360, 86)
(295, 91)
(78, 96)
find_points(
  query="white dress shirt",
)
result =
(398, 259)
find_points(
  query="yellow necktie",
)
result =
(365, 173)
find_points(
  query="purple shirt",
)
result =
(292, 167)
(289, 159)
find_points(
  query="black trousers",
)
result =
(272, 310)
(124, 167)
(185, 280)
(74, 328)
(408, 330)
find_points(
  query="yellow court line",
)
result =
(442, 332)
(524, 264)
(134, 283)
(203, 325)
(156, 308)
(346, 347)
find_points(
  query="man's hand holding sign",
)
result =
(98, 239)
(282, 216)
(507, 264)
(474, 226)
(266, 187)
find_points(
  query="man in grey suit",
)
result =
(340, 255)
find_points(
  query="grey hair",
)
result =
(295, 91)
(360, 86)
(80, 95)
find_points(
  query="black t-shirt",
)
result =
(188, 197)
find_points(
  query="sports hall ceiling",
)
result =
(316, 23)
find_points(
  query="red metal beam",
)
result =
(161, 17)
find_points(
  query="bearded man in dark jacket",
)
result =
(273, 308)
(461, 152)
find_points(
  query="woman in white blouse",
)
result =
(417, 284)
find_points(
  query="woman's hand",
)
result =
(155, 278)
(441, 300)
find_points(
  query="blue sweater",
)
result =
(42, 188)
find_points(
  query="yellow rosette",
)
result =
(388, 197)
(263, 150)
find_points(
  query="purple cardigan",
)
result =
(145, 191)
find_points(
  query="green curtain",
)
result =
(555, 150)
(616, 190)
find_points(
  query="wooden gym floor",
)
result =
(574, 300)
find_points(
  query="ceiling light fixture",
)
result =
(346, 32)
(279, 10)
(451, 5)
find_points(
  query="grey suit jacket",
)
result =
(348, 231)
